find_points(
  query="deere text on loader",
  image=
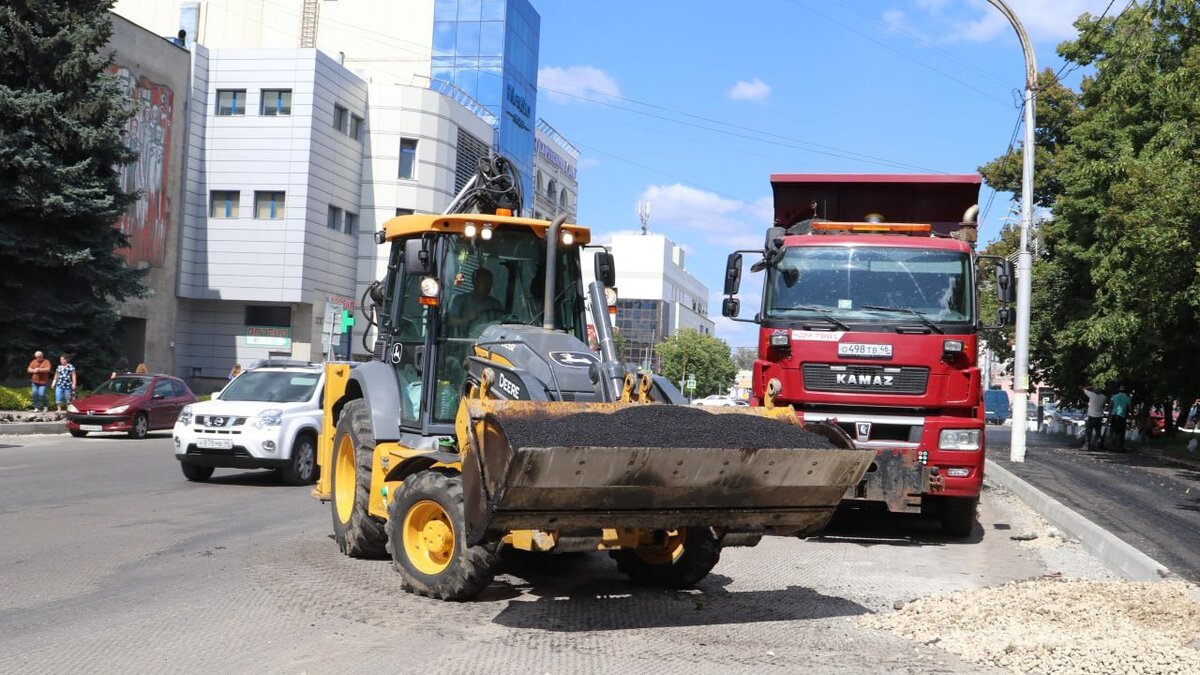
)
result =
(484, 421)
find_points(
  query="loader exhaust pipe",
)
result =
(549, 320)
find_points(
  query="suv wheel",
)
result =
(301, 469)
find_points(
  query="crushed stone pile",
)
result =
(1054, 625)
(666, 426)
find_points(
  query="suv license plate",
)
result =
(214, 443)
(867, 351)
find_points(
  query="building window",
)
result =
(562, 199)
(356, 124)
(231, 102)
(404, 212)
(341, 119)
(334, 221)
(224, 204)
(351, 223)
(408, 158)
(268, 205)
(276, 102)
(266, 315)
(552, 190)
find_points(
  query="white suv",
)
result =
(266, 418)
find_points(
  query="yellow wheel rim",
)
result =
(428, 537)
(344, 479)
(665, 553)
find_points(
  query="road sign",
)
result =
(691, 383)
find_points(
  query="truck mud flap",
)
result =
(644, 466)
(897, 478)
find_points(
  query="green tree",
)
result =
(61, 122)
(744, 357)
(1117, 288)
(691, 352)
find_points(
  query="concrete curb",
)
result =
(23, 428)
(1114, 553)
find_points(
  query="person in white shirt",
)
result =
(1095, 415)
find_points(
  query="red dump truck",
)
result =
(870, 319)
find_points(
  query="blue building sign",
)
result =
(489, 50)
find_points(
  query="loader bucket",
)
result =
(582, 466)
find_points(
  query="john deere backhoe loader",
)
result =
(484, 420)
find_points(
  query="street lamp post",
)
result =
(1025, 259)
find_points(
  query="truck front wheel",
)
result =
(958, 515)
(427, 535)
(358, 533)
(680, 560)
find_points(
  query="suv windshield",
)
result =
(870, 284)
(280, 386)
(124, 386)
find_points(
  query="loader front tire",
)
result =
(427, 538)
(682, 559)
(358, 533)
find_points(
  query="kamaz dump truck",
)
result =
(484, 421)
(870, 319)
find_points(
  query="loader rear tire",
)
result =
(427, 538)
(358, 533)
(684, 558)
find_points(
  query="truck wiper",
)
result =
(824, 314)
(904, 310)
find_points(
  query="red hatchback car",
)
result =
(135, 404)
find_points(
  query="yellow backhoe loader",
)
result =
(484, 420)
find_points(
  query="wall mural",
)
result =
(149, 132)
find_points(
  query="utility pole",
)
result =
(1025, 258)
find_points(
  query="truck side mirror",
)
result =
(1006, 282)
(733, 273)
(731, 307)
(418, 261)
(606, 270)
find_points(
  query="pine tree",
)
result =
(61, 121)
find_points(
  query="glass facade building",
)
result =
(489, 50)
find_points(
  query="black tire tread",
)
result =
(958, 515)
(471, 569)
(195, 472)
(289, 473)
(364, 535)
(701, 552)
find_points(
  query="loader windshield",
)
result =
(871, 284)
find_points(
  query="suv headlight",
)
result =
(118, 410)
(267, 418)
(185, 415)
(959, 439)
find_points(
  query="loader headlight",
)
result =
(567, 238)
(959, 439)
(486, 233)
(610, 296)
(267, 418)
(470, 230)
(429, 287)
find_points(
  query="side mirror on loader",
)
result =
(733, 273)
(418, 260)
(1006, 282)
(731, 307)
(606, 270)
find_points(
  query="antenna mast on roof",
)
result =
(644, 216)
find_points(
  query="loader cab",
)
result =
(447, 281)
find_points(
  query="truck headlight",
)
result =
(267, 418)
(959, 439)
(185, 415)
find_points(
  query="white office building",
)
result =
(657, 295)
(556, 174)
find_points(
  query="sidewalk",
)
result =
(13, 422)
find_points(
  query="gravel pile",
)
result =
(666, 426)
(1052, 625)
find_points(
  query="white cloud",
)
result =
(754, 90)
(895, 21)
(563, 85)
(588, 162)
(979, 21)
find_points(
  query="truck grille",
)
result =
(865, 379)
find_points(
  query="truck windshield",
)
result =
(845, 282)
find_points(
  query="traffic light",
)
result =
(347, 320)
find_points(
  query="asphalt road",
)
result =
(114, 563)
(1151, 504)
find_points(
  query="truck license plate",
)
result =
(865, 351)
(214, 443)
(91, 427)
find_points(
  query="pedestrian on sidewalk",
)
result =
(141, 369)
(64, 382)
(39, 379)
(122, 368)
(235, 371)
(1119, 414)
(1095, 415)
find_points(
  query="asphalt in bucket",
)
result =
(658, 426)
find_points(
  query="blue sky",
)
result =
(692, 105)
